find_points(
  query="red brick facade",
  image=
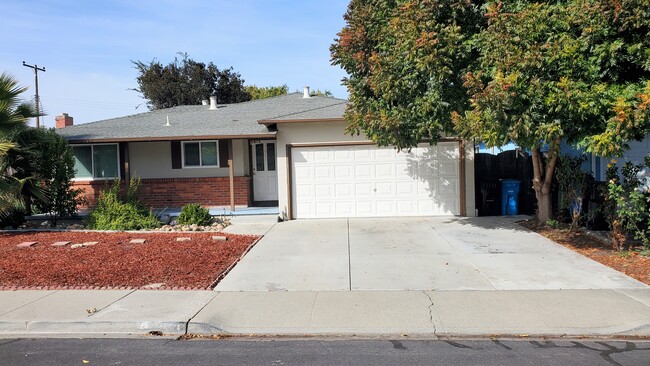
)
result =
(176, 192)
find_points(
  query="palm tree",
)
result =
(17, 186)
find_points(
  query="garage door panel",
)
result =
(366, 181)
(448, 168)
(384, 171)
(365, 208)
(343, 172)
(344, 209)
(448, 187)
(386, 208)
(344, 190)
(323, 156)
(323, 191)
(363, 171)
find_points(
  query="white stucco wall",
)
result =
(153, 160)
(323, 132)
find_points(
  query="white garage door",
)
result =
(366, 181)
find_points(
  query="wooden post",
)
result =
(462, 177)
(231, 172)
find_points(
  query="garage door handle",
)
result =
(374, 189)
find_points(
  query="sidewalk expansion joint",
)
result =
(187, 323)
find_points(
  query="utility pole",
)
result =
(36, 70)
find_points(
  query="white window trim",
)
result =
(92, 160)
(200, 166)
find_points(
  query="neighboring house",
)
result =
(597, 165)
(290, 151)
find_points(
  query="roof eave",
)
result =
(304, 120)
(73, 140)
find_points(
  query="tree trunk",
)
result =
(543, 178)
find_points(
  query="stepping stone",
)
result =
(183, 239)
(138, 241)
(82, 245)
(27, 244)
(219, 238)
(60, 243)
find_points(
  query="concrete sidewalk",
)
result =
(621, 312)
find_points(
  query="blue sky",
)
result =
(87, 46)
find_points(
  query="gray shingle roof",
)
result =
(197, 121)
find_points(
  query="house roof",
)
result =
(239, 120)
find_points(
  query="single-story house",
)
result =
(290, 151)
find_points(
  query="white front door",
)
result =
(265, 176)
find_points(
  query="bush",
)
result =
(628, 204)
(193, 213)
(55, 171)
(573, 182)
(117, 212)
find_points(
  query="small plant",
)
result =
(552, 223)
(193, 213)
(117, 212)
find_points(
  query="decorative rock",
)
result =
(183, 239)
(220, 227)
(60, 243)
(75, 227)
(219, 238)
(138, 241)
(27, 244)
(45, 224)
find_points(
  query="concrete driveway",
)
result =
(422, 253)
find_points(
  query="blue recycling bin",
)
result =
(510, 196)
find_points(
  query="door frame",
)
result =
(462, 177)
(251, 165)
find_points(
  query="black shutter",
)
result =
(224, 152)
(177, 162)
(122, 147)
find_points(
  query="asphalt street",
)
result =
(277, 352)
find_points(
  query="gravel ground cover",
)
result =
(161, 262)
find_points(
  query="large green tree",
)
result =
(405, 60)
(532, 73)
(577, 71)
(18, 153)
(187, 82)
(262, 92)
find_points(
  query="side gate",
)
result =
(490, 169)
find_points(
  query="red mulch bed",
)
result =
(115, 263)
(629, 262)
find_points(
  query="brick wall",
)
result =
(176, 192)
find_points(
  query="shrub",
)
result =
(572, 182)
(628, 204)
(193, 213)
(55, 171)
(121, 212)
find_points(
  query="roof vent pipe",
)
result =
(213, 102)
(306, 93)
(204, 102)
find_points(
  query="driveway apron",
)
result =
(430, 253)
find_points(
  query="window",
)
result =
(200, 154)
(96, 161)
